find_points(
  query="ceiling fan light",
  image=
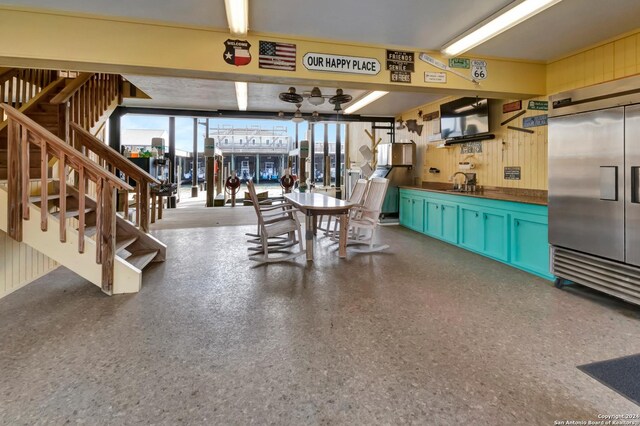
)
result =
(316, 100)
(297, 119)
(315, 97)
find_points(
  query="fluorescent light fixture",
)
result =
(241, 95)
(371, 97)
(496, 24)
(237, 16)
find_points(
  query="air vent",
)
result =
(617, 279)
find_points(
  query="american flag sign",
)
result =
(277, 56)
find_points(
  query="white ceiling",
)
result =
(421, 24)
(207, 95)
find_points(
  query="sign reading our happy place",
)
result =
(341, 63)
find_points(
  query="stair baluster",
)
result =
(23, 130)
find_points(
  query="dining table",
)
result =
(314, 204)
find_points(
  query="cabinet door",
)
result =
(529, 243)
(449, 222)
(471, 228)
(405, 211)
(417, 214)
(434, 219)
(496, 233)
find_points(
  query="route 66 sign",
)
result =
(478, 69)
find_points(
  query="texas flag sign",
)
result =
(237, 52)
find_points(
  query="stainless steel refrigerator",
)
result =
(594, 187)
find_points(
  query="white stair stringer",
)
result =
(127, 278)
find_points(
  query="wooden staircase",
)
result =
(49, 136)
(134, 249)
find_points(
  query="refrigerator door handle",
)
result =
(609, 183)
(635, 190)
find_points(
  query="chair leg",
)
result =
(265, 246)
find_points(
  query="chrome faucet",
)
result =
(452, 178)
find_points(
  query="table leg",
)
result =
(315, 225)
(308, 235)
(342, 245)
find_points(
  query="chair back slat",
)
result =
(375, 197)
(359, 189)
(254, 198)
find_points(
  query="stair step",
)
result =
(36, 198)
(90, 230)
(72, 213)
(124, 242)
(142, 258)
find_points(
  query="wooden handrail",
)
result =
(59, 145)
(18, 87)
(114, 160)
(33, 101)
(8, 74)
(72, 88)
(111, 156)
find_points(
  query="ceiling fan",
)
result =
(315, 98)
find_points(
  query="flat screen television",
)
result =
(464, 117)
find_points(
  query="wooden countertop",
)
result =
(528, 196)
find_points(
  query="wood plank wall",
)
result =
(606, 61)
(529, 151)
(509, 148)
(19, 263)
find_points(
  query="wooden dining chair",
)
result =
(283, 221)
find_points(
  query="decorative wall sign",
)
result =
(274, 55)
(237, 52)
(413, 126)
(478, 69)
(431, 116)
(435, 77)
(538, 105)
(471, 148)
(400, 77)
(512, 173)
(399, 60)
(512, 106)
(438, 64)
(341, 63)
(536, 121)
(460, 63)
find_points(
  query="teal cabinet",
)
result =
(471, 228)
(412, 212)
(434, 219)
(529, 243)
(510, 232)
(449, 222)
(441, 220)
(405, 210)
(496, 234)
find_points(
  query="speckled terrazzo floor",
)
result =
(424, 334)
